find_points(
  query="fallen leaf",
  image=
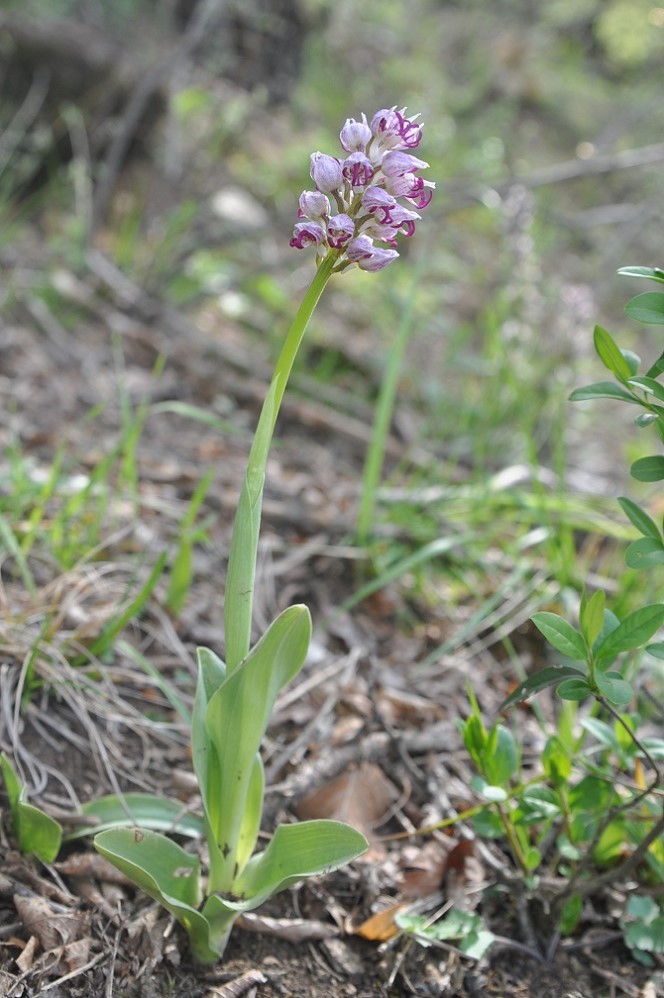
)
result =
(362, 797)
(52, 928)
(26, 959)
(238, 987)
(382, 926)
(293, 930)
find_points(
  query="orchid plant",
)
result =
(353, 218)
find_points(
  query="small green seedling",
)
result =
(643, 926)
(36, 833)
(465, 929)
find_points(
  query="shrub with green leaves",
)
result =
(595, 803)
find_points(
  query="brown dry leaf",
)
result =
(381, 927)
(424, 867)
(294, 930)
(26, 959)
(52, 928)
(91, 864)
(362, 797)
(240, 986)
(76, 954)
(401, 708)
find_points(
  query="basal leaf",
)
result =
(296, 852)
(36, 833)
(560, 634)
(144, 810)
(610, 354)
(540, 680)
(647, 307)
(636, 628)
(236, 719)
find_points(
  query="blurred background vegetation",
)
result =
(173, 137)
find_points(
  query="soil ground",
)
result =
(370, 737)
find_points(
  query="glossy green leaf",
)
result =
(501, 758)
(616, 690)
(639, 518)
(560, 634)
(648, 469)
(650, 273)
(602, 390)
(591, 615)
(610, 354)
(647, 307)
(645, 553)
(166, 873)
(649, 386)
(551, 676)
(574, 689)
(487, 790)
(295, 852)
(36, 833)
(142, 810)
(226, 744)
(636, 628)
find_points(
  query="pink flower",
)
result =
(362, 251)
(307, 234)
(394, 130)
(364, 191)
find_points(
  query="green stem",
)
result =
(239, 598)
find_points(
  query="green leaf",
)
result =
(551, 676)
(560, 634)
(650, 273)
(649, 386)
(616, 690)
(603, 732)
(226, 742)
(610, 354)
(556, 761)
(489, 791)
(657, 368)
(296, 852)
(36, 833)
(636, 628)
(644, 553)
(602, 390)
(648, 469)
(574, 689)
(143, 810)
(501, 759)
(591, 616)
(167, 874)
(643, 908)
(639, 518)
(647, 307)
(570, 915)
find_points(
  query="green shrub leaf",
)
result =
(647, 307)
(610, 354)
(560, 634)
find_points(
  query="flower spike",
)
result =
(364, 187)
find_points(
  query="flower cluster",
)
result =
(377, 170)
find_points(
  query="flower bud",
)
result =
(326, 172)
(355, 135)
